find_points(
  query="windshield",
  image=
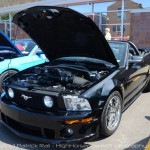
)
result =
(119, 50)
(25, 45)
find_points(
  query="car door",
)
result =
(28, 61)
(134, 76)
(21, 63)
(7, 51)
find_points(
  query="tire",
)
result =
(147, 89)
(4, 75)
(107, 124)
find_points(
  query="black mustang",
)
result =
(84, 89)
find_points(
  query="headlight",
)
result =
(11, 93)
(48, 101)
(74, 103)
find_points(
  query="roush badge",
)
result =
(25, 97)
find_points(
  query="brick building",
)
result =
(114, 18)
(4, 24)
(140, 24)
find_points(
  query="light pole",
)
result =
(10, 25)
(122, 18)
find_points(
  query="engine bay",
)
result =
(58, 78)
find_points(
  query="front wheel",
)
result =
(4, 75)
(147, 89)
(111, 114)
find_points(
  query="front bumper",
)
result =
(48, 128)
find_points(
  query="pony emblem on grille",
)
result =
(25, 97)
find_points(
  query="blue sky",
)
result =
(102, 7)
(145, 3)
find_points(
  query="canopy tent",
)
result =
(15, 8)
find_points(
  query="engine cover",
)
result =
(59, 75)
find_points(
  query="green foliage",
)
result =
(5, 17)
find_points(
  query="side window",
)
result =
(132, 51)
(39, 52)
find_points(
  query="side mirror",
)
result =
(2, 58)
(39, 52)
(135, 59)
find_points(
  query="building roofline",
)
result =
(16, 8)
(141, 10)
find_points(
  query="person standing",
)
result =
(107, 34)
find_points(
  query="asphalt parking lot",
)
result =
(133, 133)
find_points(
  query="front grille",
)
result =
(35, 100)
(28, 129)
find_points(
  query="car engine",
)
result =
(58, 78)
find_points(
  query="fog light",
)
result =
(68, 132)
(48, 101)
(11, 93)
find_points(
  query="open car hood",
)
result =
(62, 32)
(6, 44)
